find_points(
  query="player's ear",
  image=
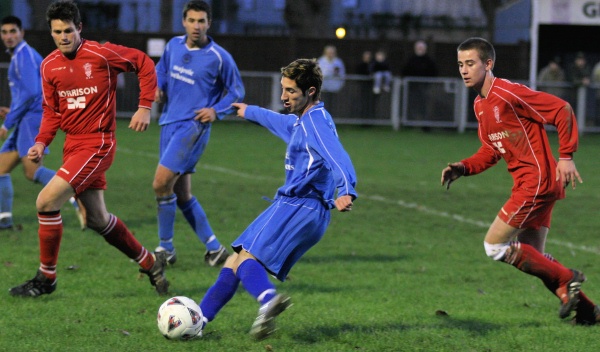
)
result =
(311, 91)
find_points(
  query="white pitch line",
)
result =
(376, 198)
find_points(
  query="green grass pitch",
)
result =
(404, 271)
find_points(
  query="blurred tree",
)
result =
(308, 18)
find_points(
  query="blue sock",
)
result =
(6, 201)
(219, 293)
(196, 217)
(256, 281)
(167, 209)
(43, 175)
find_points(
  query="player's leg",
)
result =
(116, 233)
(50, 231)
(528, 259)
(8, 161)
(164, 181)
(221, 291)
(38, 173)
(255, 280)
(216, 254)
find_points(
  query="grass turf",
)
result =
(404, 271)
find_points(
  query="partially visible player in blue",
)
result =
(23, 116)
(197, 81)
(316, 168)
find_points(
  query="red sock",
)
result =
(527, 259)
(49, 233)
(584, 301)
(118, 235)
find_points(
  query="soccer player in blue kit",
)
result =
(316, 165)
(23, 117)
(197, 81)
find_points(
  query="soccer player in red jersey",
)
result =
(511, 121)
(79, 83)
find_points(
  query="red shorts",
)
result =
(525, 211)
(86, 158)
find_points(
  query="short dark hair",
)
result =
(484, 48)
(12, 20)
(64, 10)
(306, 73)
(197, 5)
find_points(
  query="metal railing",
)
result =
(438, 102)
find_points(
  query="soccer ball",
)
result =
(180, 318)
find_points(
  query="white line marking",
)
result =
(376, 198)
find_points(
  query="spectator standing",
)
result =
(421, 100)
(334, 74)
(551, 74)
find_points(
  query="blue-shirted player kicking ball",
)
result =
(316, 167)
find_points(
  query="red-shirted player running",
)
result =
(79, 84)
(511, 121)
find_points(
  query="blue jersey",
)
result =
(197, 78)
(25, 87)
(316, 163)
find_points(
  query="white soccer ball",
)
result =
(180, 318)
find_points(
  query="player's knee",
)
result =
(496, 251)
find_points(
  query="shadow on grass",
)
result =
(322, 333)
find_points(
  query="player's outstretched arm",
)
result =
(140, 120)
(452, 172)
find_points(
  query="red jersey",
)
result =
(511, 126)
(79, 93)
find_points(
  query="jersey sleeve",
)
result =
(51, 117)
(28, 87)
(551, 110)
(233, 87)
(127, 59)
(279, 124)
(324, 140)
(162, 68)
(483, 159)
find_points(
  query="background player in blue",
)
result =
(23, 117)
(316, 165)
(197, 81)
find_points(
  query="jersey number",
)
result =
(498, 146)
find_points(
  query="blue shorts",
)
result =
(182, 144)
(23, 136)
(286, 230)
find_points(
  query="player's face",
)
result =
(66, 35)
(472, 70)
(11, 35)
(196, 25)
(292, 97)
